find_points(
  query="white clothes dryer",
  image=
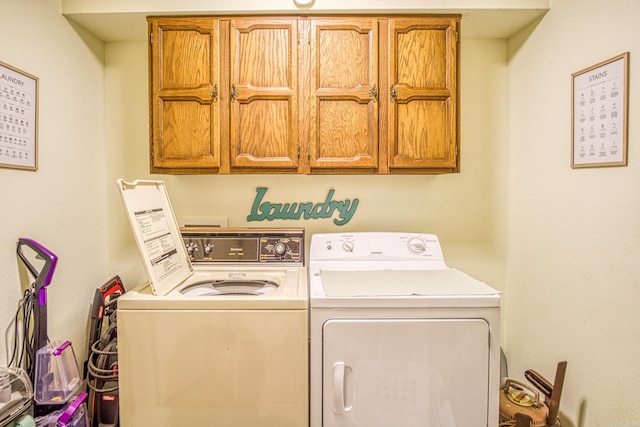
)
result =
(219, 334)
(397, 337)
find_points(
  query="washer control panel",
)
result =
(366, 246)
(248, 246)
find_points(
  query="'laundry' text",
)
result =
(270, 211)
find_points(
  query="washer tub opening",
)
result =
(229, 287)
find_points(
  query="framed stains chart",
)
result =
(18, 119)
(599, 114)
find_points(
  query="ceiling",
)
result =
(125, 20)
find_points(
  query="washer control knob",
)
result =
(191, 248)
(208, 248)
(280, 249)
(348, 246)
(417, 245)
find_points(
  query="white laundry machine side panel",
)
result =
(354, 352)
(213, 367)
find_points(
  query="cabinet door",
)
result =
(264, 120)
(343, 116)
(423, 110)
(185, 130)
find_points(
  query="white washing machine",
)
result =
(219, 334)
(397, 337)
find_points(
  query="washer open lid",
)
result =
(157, 234)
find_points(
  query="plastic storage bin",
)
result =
(57, 375)
(16, 394)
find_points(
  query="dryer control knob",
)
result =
(417, 245)
(348, 246)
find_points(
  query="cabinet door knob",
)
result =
(234, 93)
(214, 93)
(373, 93)
(394, 93)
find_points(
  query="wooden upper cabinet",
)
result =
(291, 94)
(184, 75)
(263, 125)
(423, 110)
(343, 106)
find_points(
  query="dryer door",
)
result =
(405, 372)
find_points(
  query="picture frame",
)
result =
(599, 114)
(18, 118)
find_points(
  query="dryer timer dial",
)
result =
(417, 245)
(348, 246)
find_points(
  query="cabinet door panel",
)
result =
(414, 119)
(343, 97)
(264, 126)
(186, 121)
(185, 132)
(341, 137)
(186, 57)
(425, 48)
(423, 112)
(264, 94)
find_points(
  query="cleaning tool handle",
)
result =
(45, 275)
(58, 351)
(66, 416)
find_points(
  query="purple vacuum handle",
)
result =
(51, 260)
(66, 416)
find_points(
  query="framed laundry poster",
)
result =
(599, 114)
(18, 118)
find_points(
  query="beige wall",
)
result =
(561, 244)
(573, 235)
(62, 205)
(465, 210)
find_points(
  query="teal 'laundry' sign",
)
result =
(261, 210)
